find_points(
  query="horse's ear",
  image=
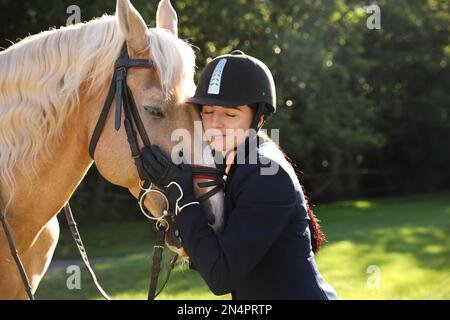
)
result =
(166, 17)
(132, 26)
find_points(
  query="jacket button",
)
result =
(177, 233)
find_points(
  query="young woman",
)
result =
(266, 249)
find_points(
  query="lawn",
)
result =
(389, 248)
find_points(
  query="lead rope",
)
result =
(172, 262)
(157, 258)
(158, 249)
(161, 227)
(76, 236)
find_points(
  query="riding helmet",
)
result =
(234, 80)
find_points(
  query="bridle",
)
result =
(120, 90)
(124, 97)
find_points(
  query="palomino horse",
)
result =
(52, 88)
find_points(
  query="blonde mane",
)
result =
(41, 76)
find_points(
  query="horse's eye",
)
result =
(155, 111)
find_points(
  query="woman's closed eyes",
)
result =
(210, 112)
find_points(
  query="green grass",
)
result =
(407, 239)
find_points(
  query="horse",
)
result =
(52, 87)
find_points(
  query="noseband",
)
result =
(120, 90)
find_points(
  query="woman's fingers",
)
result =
(151, 164)
(160, 156)
(147, 155)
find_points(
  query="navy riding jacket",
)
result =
(264, 250)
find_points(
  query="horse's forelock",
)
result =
(175, 63)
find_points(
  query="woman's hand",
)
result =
(176, 180)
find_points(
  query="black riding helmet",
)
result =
(234, 80)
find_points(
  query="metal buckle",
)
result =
(161, 221)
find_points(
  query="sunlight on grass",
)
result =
(363, 204)
(408, 241)
(402, 277)
(434, 248)
(402, 245)
(359, 204)
(128, 278)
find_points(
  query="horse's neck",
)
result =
(36, 202)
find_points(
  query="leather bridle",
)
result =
(124, 97)
(120, 90)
